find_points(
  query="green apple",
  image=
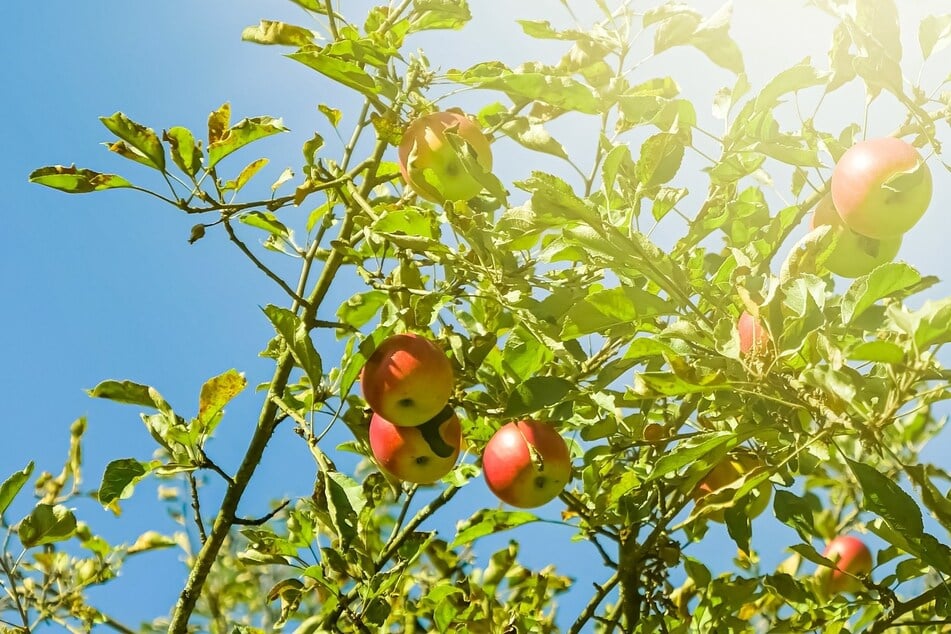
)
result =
(727, 473)
(852, 558)
(881, 187)
(430, 162)
(420, 454)
(407, 380)
(526, 463)
(854, 254)
(754, 338)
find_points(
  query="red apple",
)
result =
(432, 166)
(852, 557)
(881, 187)
(420, 454)
(526, 464)
(407, 380)
(854, 254)
(727, 473)
(754, 339)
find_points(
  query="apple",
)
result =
(727, 473)
(420, 454)
(407, 380)
(881, 187)
(854, 254)
(754, 339)
(430, 163)
(526, 463)
(852, 557)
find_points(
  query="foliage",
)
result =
(553, 300)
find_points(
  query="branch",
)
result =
(902, 608)
(260, 520)
(596, 599)
(24, 616)
(196, 506)
(261, 266)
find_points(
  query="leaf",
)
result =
(536, 393)
(683, 26)
(244, 132)
(218, 123)
(361, 308)
(297, 336)
(533, 136)
(882, 495)
(73, 180)
(709, 447)
(601, 311)
(124, 392)
(185, 153)
(143, 139)
(429, 15)
(267, 221)
(878, 351)
(215, 394)
(555, 90)
(46, 524)
(797, 512)
(341, 71)
(280, 33)
(925, 546)
(487, 522)
(245, 175)
(934, 34)
(12, 485)
(661, 157)
(333, 115)
(150, 540)
(119, 478)
(882, 282)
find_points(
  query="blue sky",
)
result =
(106, 285)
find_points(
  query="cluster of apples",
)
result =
(880, 188)
(416, 436)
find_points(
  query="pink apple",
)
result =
(420, 454)
(881, 187)
(432, 166)
(754, 339)
(851, 557)
(526, 464)
(407, 380)
(728, 472)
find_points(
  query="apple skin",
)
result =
(851, 555)
(429, 162)
(421, 454)
(754, 339)
(854, 254)
(407, 380)
(728, 471)
(511, 472)
(865, 200)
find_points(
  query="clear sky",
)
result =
(106, 285)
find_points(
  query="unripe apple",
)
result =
(727, 473)
(851, 557)
(407, 380)
(526, 464)
(431, 165)
(754, 339)
(420, 454)
(854, 254)
(881, 187)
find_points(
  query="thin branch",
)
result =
(260, 520)
(904, 607)
(21, 609)
(592, 607)
(196, 506)
(261, 266)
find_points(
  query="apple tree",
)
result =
(645, 332)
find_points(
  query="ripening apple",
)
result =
(432, 166)
(852, 557)
(407, 380)
(854, 254)
(754, 338)
(526, 463)
(881, 187)
(420, 454)
(727, 473)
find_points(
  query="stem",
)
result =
(24, 617)
(905, 607)
(596, 599)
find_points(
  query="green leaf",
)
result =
(704, 449)
(882, 495)
(46, 524)
(124, 392)
(487, 522)
(120, 478)
(341, 71)
(655, 384)
(933, 326)
(345, 501)
(73, 180)
(244, 132)
(533, 136)
(297, 336)
(12, 485)
(622, 307)
(681, 26)
(143, 139)
(185, 152)
(797, 512)
(536, 393)
(934, 34)
(280, 33)
(215, 394)
(361, 308)
(428, 15)
(267, 221)
(801, 76)
(559, 91)
(882, 282)
(246, 175)
(661, 157)
(924, 546)
(879, 351)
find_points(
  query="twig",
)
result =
(261, 266)
(596, 599)
(904, 607)
(196, 506)
(260, 520)
(24, 616)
